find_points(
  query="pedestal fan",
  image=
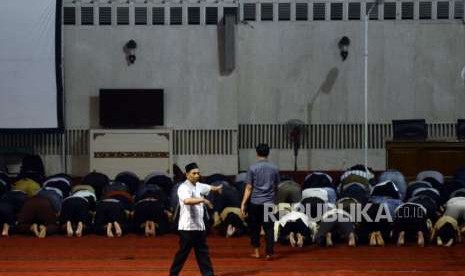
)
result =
(295, 134)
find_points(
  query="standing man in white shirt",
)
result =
(191, 225)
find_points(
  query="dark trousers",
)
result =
(257, 221)
(410, 218)
(236, 221)
(37, 210)
(109, 212)
(295, 227)
(151, 211)
(7, 214)
(75, 209)
(197, 240)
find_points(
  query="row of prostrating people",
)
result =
(96, 204)
(428, 208)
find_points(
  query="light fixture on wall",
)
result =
(343, 45)
(130, 51)
(462, 74)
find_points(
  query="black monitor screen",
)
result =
(131, 108)
(409, 129)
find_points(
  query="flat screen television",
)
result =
(131, 108)
(414, 129)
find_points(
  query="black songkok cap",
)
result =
(191, 166)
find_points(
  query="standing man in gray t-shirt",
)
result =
(261, 184)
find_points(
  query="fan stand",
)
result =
(296, 153)
(294, 131)
(295, 137)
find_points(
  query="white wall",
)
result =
(283, 71)
(414, 71)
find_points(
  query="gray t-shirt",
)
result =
(264, 178)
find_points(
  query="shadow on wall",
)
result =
(326, 88)
(330, 80)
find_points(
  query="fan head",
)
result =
(294, 129)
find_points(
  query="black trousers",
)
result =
(256, 221)
(295, 227)
(151, 211)
(75, 209)
(109, 212)
(7, 214)
(197, 240)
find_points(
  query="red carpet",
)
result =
(140, 256)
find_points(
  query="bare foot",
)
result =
(329, 240)
(421, 239)
(169, 215)
(439, 241)
(401, 239)
(5, 230)
(42, 231)
(449, 243)
(110, 230)
(154, 229)
(373, 239)
(147, 228)
(118, 230)
(462, 230)
(151, 228)
(35, 229)
(292, 239)
(256, 253)
(379, 239)
(69, 229)
(230, 231)
(352, 239)
(300, 240)
(79, 229)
